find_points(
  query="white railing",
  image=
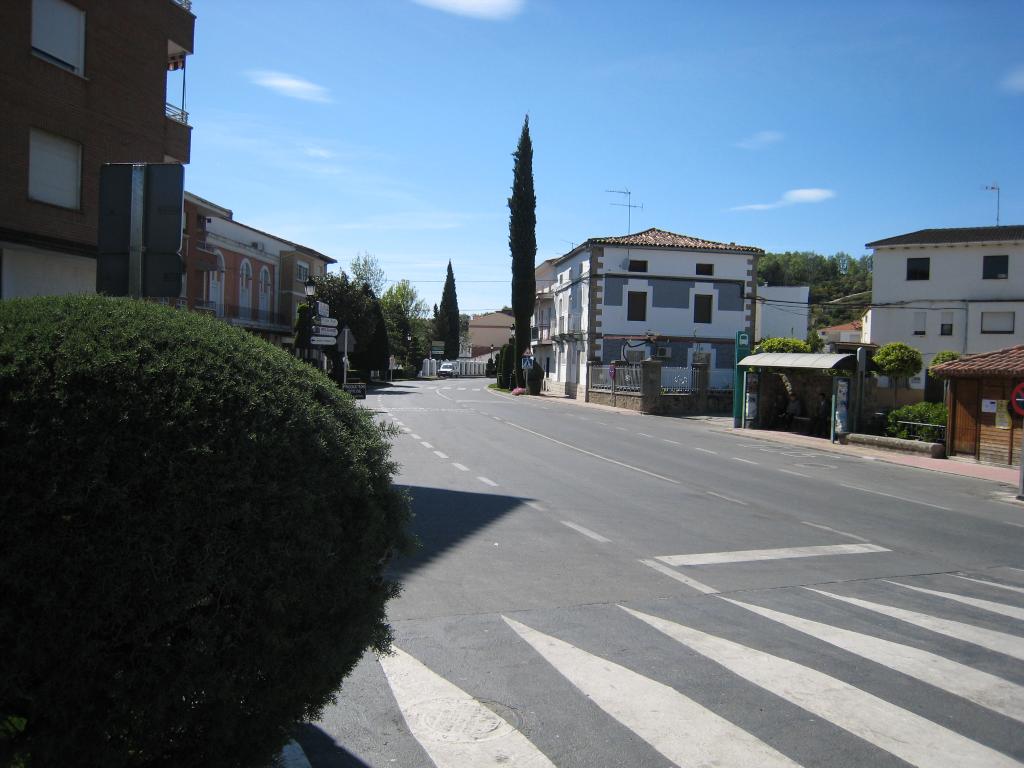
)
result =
(677, 379)
(177, 114)
(626, 378)
(186, 4)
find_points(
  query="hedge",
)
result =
(194, 530)
(925, 413)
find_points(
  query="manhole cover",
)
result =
(461, 721)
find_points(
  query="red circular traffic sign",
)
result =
(1017, 399)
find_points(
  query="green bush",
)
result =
(944, 356)
(926, 413)
(194, 530)
(778, 344)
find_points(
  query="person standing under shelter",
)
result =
(819, 423)
(793, 410)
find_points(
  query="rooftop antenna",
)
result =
(628, 205)
(994, 187)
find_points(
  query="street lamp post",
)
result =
(512, 350)
(310, 288)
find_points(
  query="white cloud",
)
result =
(287, 85)
(319, 152)
(760, 140)
(480, 9)
(791, 197)
(1014, 81)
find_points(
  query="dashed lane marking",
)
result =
(791, 472)
(745, 461)
(727, 498)
(833, 530)
(586, 532)
(441, 455)
(535, 505)
(425, 444)
(894, 496)
(705, 450)
(672, 442)
(460, 467)
(487, 481)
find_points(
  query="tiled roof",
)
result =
(1008, 361)
(955, 235)
(856, 325)
(659, 238)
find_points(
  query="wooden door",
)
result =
(965, 417)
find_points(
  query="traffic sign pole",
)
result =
(1017, 403)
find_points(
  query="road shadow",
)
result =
(442, 518)
(322, 751)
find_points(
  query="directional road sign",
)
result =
(333, 322)
(322, 308)
(323, 330)
(322, 341)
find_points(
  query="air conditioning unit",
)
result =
(257, 244)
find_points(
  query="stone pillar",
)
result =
(650, 386)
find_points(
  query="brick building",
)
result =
(82, 83)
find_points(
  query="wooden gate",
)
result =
(965, 417)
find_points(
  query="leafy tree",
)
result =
(782, 345)
(897, 361)
(379, 349)
(367, 269)
(522, 243)
(448, 317)
(404, 312)
(352, 304)
(176, 582)
(839, 278)
(945, 356)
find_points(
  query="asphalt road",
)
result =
(600, 588)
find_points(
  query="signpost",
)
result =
(323, 330)
(332, 322)
(742, 350)
(321, 341)
(1017, 403)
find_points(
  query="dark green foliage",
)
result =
(194, 530)
(534, 378)
(490, 369)
(379, 351)
(499, 365)
(448, 317)
(302, 327)
(522, 242)
(944, 356)
(839, 276)
(897, 359)
(782, 345)
(925, 413)
(507, 369)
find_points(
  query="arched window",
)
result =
(265, 290)
(245, 290)
(216, 286)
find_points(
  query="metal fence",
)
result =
(681, 379)
(919, 430)
(625, 379)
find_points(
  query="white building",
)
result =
(782, 312)
(948, 289)
(653, 293)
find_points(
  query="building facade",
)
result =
(948, 289)
(488, 330)
(243, 275)
(82, 83)
(651, 294)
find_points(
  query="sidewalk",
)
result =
(1006, 475)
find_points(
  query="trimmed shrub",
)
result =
(925, 413)
(194, 530)
(780, 344)
(944, 356)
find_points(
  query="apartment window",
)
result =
(637, 266)
(918, 268)
(301, 271)
(920, 323)
(997, 322)
(637, 305)
(706, 269)
(54, 170)
(702, 308)
(58, 34)
(946, 324)
(995, 267)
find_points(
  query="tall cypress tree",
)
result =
(448, 317)
(522, 243)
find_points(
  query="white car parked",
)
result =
(446, 370)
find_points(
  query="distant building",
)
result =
(81, 84)
(486, 330)
(650, 294)
(845, 337)
(243, 275)
(959, 289)
(782, 312)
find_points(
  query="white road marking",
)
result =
(398, 422)
(989, 583)
(622, 428)
(678, 727)
(441, 455)
(536, 506)
(406, 430)
(986, 605)
(908, 736)
(681, 577)
(785, 553)
(586, 532)
(1000, 642)
(414, 436)
(673, 442)
(460, 467)
(454, 729)
(959, 679)
(894, 496)
(643, 434)
(1017, 525)
(745, 461)
(595, 455)
(704, 450)
(727, 498)
(791, 472)
(833, 530)
(486, 481)
(870, 458)
(425, 444)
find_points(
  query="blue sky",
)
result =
(387, 126)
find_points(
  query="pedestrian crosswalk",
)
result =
(867, 673)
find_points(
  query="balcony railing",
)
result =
(186, 4)
(177, 114)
